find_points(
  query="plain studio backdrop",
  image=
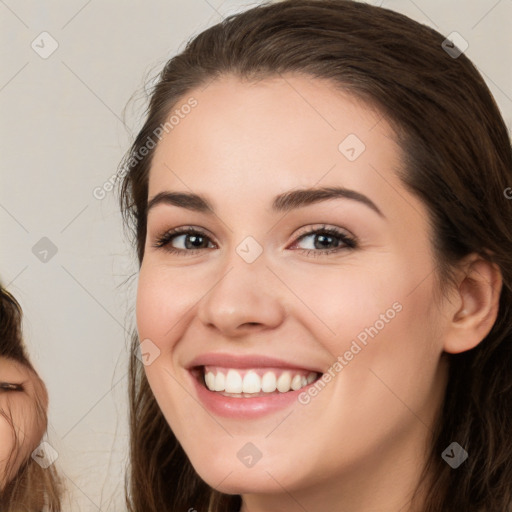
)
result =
(68, 71)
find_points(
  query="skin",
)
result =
(29, 425)
(360, 444)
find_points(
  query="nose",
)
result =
(246, 297)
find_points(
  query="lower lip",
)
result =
(244, 408)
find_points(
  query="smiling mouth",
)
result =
(253, 382)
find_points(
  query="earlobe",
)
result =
(479, 293)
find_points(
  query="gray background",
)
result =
(63, 133)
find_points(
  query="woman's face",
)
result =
(20, 392)
(255, 284)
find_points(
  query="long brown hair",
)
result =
(458, 162)
(31, 488)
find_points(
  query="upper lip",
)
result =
(246, 361)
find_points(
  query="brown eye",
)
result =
(192, 240)
(322, 238)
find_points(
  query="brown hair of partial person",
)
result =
(457, 160)
(30, 488)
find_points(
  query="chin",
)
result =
(233, 477)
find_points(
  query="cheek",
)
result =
(382, 326)
(164, 296)
(368, 300)
(391, 354)
(387, 380)
(343, 301)
(6, 446)
(158, 303)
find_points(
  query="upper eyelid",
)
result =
(306, 230)
(303, 230)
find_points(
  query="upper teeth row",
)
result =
(232, 382)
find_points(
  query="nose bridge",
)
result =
(245, 292)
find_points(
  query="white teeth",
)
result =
(296, 382)
(233, 382)
(252, 383)
(284, 381)
(209, 378)
(269, 382)
(220, 382)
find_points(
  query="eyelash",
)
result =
(7, 386)
(164, 240)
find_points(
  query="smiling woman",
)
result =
(339, 235)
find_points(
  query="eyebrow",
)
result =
(285, 202)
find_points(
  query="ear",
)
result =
(477, 303)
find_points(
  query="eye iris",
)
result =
(194, 239)
(324, 238)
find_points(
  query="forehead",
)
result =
(249, 140)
